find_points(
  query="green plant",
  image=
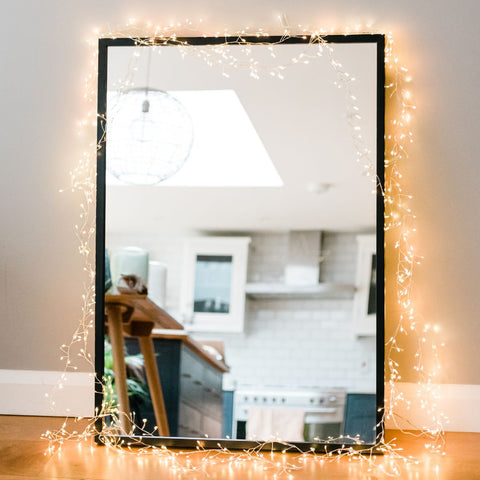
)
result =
(136, 385)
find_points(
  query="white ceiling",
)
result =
(302, 123)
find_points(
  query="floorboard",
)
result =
(23, 457)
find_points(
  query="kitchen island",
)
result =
(191, 385)
(189, 376)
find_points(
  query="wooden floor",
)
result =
(23, 457)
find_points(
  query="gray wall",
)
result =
(44, 59)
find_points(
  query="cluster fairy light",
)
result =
(399, 229)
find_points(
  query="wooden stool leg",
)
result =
(115, 330)
(153, 378)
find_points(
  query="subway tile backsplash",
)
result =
(286, 343)
(306, 344)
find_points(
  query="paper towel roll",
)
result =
(129, 261)
(157, 283)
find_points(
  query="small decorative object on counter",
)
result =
(129, 261)
(157, 283)
(108, 273)
(131, 284)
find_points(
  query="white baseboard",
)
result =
(24, 392)
(460, 403)
(33, 392)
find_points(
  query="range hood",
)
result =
(284, 291)
(302, 273)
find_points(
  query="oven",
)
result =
(324, 409)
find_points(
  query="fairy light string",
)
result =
(399, 224)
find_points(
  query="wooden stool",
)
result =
(122, 318)
(116, 313)
(142, 330)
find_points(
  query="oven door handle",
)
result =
(322, 410)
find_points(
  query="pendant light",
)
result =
(149, 135)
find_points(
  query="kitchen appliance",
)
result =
(324, 409)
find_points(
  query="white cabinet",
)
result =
(365, 299)
(213, 284)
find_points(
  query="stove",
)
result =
(324, 409)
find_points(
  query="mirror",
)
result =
(240, 265)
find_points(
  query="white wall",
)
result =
(44, 60)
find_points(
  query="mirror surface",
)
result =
(240, 235)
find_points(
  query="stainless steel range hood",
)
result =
(302, 273)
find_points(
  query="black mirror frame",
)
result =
(180, 442)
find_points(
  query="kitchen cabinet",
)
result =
(365, 302)
(191, 386)
(213, 284)
(360, 416)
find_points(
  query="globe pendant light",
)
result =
(149, 135)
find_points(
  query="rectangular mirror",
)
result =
(240, 263)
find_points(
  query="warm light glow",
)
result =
(399, 221)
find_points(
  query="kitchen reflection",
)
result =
(296, 366)
(243, 310)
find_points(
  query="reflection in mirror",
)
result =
(241, 241)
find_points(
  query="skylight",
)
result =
(227, 150)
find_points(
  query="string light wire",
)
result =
(399, 230)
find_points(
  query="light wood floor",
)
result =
(22, 457)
